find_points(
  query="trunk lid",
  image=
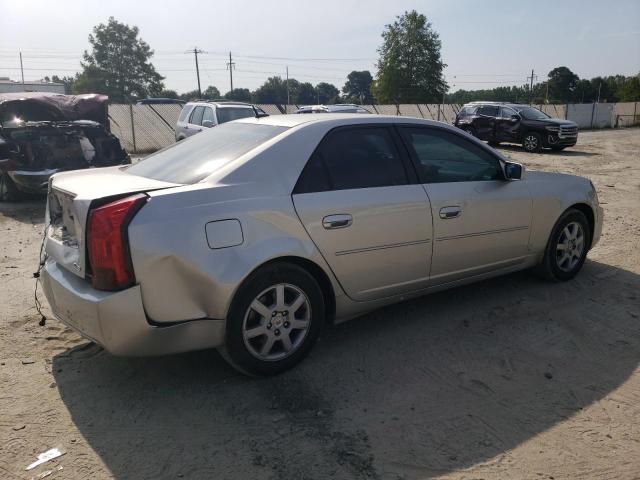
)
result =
(70, 197)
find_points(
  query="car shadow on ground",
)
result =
(421, 388)
(567, 152)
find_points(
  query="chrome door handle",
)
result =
(331, 222)
(450, 212)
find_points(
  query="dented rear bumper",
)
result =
(117, 320)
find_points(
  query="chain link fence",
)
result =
(147, 128)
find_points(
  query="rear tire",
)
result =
(8, 190)
(567, 247)
(274, 320)
(532, 142)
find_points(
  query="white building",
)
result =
(8, 86)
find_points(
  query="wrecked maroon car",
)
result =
(44, 133)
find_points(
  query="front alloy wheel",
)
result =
(567, 247)
(532, 142)
(570, 247)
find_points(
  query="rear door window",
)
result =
(196, 116)
(208, 115)
(488, 111)
(184, 113)
(507, 112)
(350, 158)
(228, 114)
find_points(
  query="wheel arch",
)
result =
(589, 213)
(315, 270)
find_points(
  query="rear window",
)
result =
(185, 111)
(227, 114)
(197, 157)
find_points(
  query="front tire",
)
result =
(532, 142)
(274, 320)
(567, 247)
(8, 190)
(471, 131)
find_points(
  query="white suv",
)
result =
(206, 114)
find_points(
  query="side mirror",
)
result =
(208, 124)
(513, 171)
(515, 118)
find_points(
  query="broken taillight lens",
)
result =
(108, 242)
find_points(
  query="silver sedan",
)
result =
(254, 234)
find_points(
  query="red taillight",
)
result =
(109, 245)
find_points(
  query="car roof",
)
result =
(504, 104)
(336, 119)
(221, 103)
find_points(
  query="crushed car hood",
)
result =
(53, 107)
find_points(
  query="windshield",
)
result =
(530, 113)
(197, 157)
(227, 114)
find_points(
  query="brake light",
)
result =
(108, 242)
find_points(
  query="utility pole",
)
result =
(195, 52)
(231, 65)
(531, 87)
(546, 98)
(599, 87)
(287, 87)
(21, 70)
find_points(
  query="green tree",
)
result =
(274, 90)
(327, 94)
(168, 94)
(210, 93)
(191, 95)
(91, 80)
(410, 66)
(68, 82)
(239, 95)
(358, 87)
(306, 94)
(119, 64)
(563, 84)
(630, 91)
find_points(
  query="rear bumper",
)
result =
(117, 320)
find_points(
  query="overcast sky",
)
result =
(485, 43)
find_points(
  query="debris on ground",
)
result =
(44, 457)
(47, 473)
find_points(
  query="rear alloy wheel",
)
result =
(8, 190)
(532, 142)
(567, 247)
(274, 321)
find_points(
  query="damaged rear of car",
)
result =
(44, 133)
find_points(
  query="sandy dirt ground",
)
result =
(507, 378)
